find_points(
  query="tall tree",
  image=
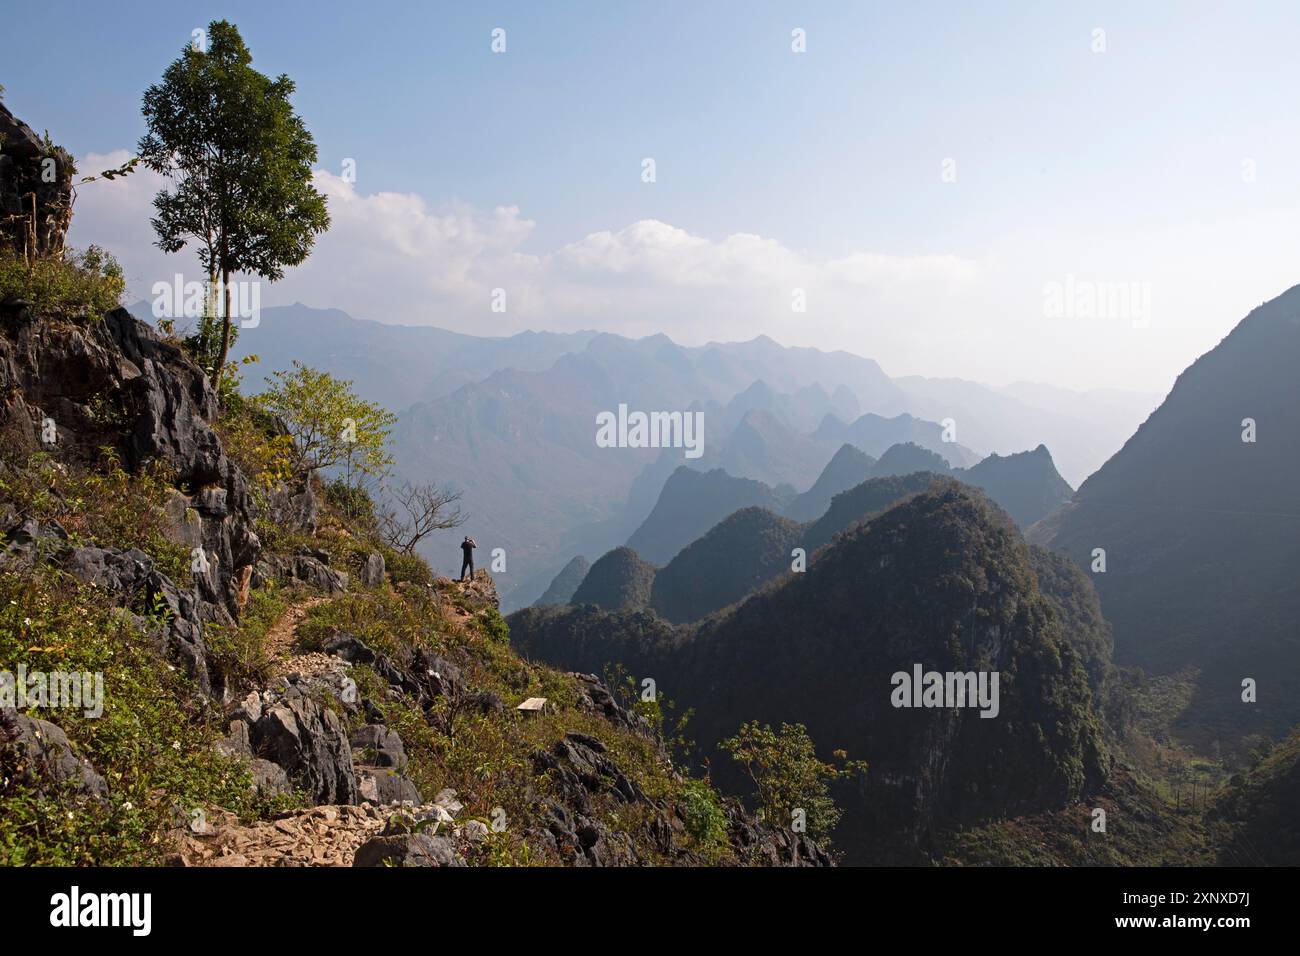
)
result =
(239, 163)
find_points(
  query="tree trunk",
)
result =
(225, 332)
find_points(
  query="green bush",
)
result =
(75, 285)
(705, 821)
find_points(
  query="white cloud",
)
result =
(388, 256)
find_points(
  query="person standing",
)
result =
(467, 549)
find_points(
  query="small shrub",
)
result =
(705, 820)
(75, 285)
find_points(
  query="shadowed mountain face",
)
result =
(620, 579)
(848, 468)
(942, 580)
(565, 583)
(737, 556)
(1201, 530)
(857, 504)
(1026, 485)
(691, 503)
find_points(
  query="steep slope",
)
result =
(857, 504)
(849, 467)
(1078, 609)
(690, 504)
(1256, 813)
(738, 555)
(941, 580)
(566, 582)
(1027, 485)
(1201, 531)
(618, 580)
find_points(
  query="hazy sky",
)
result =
(1168, 162)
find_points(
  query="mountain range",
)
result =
(510, 421)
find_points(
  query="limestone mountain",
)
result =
(737, 556)
(619, 579)
(906, 458)
(764, 448)
(859, 503)
(942, 580)
(1027, 485)
(1198, 519)
(566, 582)
(873, 433)
(848, 467)
(692, 502)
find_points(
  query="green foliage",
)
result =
(73, 285)
(152, 744)
(408, 569)
(619, 579)
(239, 651)
(788, 776)
(704, 818)
(106, 506)
(494, 625)
(330, 425)
(239, 160)
(249, 436)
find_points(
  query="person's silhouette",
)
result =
(467, 549)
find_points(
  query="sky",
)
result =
(940, 187)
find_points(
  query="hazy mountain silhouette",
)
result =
(1083, 429)
(566, 582)
(690, 504)
(850, 466)
(908, 457)
(873, 434)
(1201, 530)
(511, 421)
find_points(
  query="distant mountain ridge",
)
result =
(510, 421)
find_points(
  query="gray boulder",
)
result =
(418, 849)
(378, 746)
(309, 742)
(45, 757)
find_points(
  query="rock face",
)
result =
(309, 741)
(42, 755)
(24, 186)
(159, 406)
